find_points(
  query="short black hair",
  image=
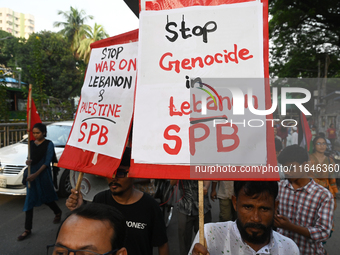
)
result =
(278, 145)
(252, 188)
(41, 127)
(293, 153)
(103, 212)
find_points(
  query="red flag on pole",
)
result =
(31, 111)
(305, 135)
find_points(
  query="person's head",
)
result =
(39, 130)
(322, 134)
(255, 204)
(121, 182)
(320, 144)
(93, 227)
(278, 146)
(294, 157)
(331, 125)
(294, 129)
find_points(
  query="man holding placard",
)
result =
(255, 204)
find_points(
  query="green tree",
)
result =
(305, 38)
(49, 65)
(73, 27)
(92, 35)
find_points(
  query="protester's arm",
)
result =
(75, 200)
(213, 194)
(199, 249)
(206, 185)
(283, 222)
(173, 182)
(163, 249)
(323, 225)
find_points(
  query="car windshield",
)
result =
(58, 134)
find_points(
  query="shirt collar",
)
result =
(309, 187)
(264, 250)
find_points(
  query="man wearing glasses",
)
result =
(92, 229)
(146, 227)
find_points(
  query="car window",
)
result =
(58, 134)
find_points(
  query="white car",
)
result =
(13, 158)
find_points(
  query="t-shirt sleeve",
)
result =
(159, 236)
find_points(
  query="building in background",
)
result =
(18, 24)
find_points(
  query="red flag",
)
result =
(35, 118)
(305, 135)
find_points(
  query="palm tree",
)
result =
(98, 33)
(73, 28)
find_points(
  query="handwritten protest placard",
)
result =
(105, 109)
(177, 46)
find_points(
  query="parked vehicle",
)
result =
(13, 158)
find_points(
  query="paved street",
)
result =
(44, 232)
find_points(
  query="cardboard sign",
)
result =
(89, 160)
(177, 46)
(105, 109)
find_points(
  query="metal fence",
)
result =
(12, 132)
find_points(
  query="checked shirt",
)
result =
(310, 206)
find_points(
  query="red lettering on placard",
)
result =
(103, 135)
(167, 63)
(82, 133)
(112, 64)
(193, 139)
(117, 110)
(93, 131)
(220, 137)
(172, 108)
(177, 139)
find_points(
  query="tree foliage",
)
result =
(91, 35)
(73, 27)
(304, 34)
(48, 63)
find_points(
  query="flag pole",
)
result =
(29, 130)
(80, 178)
(201, 213)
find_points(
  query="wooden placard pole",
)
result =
(80, 178)
(201, 212)
(29, 131)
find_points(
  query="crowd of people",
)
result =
(292, 216)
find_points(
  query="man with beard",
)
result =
(255, 205)
(145, 225)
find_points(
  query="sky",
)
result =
(114, 15)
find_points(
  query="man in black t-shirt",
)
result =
(146, 227)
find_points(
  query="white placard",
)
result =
(177, 45)
(105, 110)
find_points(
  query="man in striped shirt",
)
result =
(305, 208)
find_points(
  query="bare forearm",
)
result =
(163, 249)
(299, 230)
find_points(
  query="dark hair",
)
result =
(321, 134)
(252, 188)
(126, 157)
(315, 139)
(278, 145)
(41, 127)
(103, 212)
(331, 125)
(293, 153)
